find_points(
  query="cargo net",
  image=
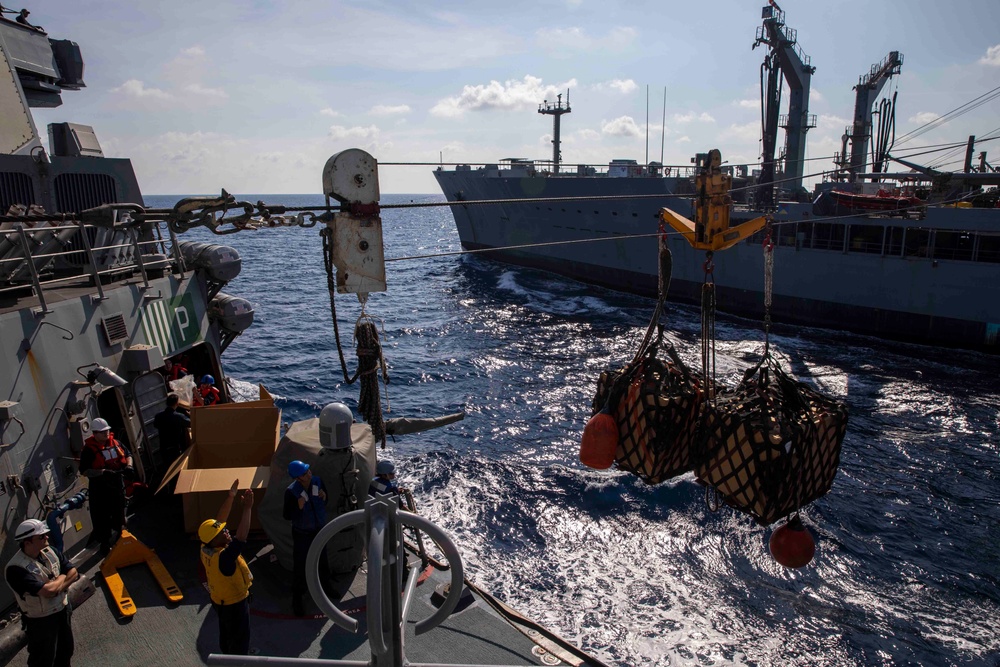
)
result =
(772, 445)
(656, 405)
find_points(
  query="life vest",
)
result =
(382, 486)
(312, 516)
(110, 455)
(223, 589)
(46, 567)
(210, 396)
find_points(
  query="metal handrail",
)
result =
(385, 559)
(66, 253)
(90, 268)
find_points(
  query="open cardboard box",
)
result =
(228, 441)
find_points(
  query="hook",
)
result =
(26, 343)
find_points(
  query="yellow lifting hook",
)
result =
(710, 229)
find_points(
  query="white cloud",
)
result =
(623, 126)
(748, 104)
(135, 89)
(992, 56)
(815, 96)
(736, 132)
(194, 51)
(508, 96)
(828, 122)
(623, 86)
(692, 116)
(923, 117)
(683, 140)
(562, 41)
(384, 110)
(329, 112)
(338, 132)
(216, 94)
(588, 135)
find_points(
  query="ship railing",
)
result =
(24, 257)
(386, 614)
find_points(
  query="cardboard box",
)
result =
(228, 441)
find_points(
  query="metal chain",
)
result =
(708, 326)
(768, 282)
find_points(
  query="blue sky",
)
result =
(254, 96)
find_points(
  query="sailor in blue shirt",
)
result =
(305, 507)
(385, 480)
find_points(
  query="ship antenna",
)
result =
(556, 111)
(663, 126)
(647, 124)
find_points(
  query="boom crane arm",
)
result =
(786, 60)
(867, 91)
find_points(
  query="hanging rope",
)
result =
(369, 350)
(370, 360)
(331, 286)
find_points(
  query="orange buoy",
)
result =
(792, 544)
(600, 440)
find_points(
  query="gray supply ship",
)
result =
(911, 255)
(96, 295)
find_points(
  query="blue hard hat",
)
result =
(385, 467)
(297, 468)
(207, 379)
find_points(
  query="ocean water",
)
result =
(907, 570)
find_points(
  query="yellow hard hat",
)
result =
(210, 529)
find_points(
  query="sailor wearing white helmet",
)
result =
(103, 461)
(40, 576)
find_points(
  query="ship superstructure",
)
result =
(93, 299)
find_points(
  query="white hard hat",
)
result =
(100, 424)
(30, 528)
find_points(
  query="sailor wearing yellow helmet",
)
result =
(228, 576)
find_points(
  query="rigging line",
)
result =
(951, 115)
(497, 162)
(621, 237)
(944, 147)
(953, 111)
(478, 251)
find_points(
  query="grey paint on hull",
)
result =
(917, 299)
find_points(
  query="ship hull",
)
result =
(899, 290)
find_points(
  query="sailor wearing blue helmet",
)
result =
(305, 507)
(385, 480)
(207, 391)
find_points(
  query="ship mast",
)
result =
(556, 111)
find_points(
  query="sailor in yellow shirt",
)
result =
(229, 577)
